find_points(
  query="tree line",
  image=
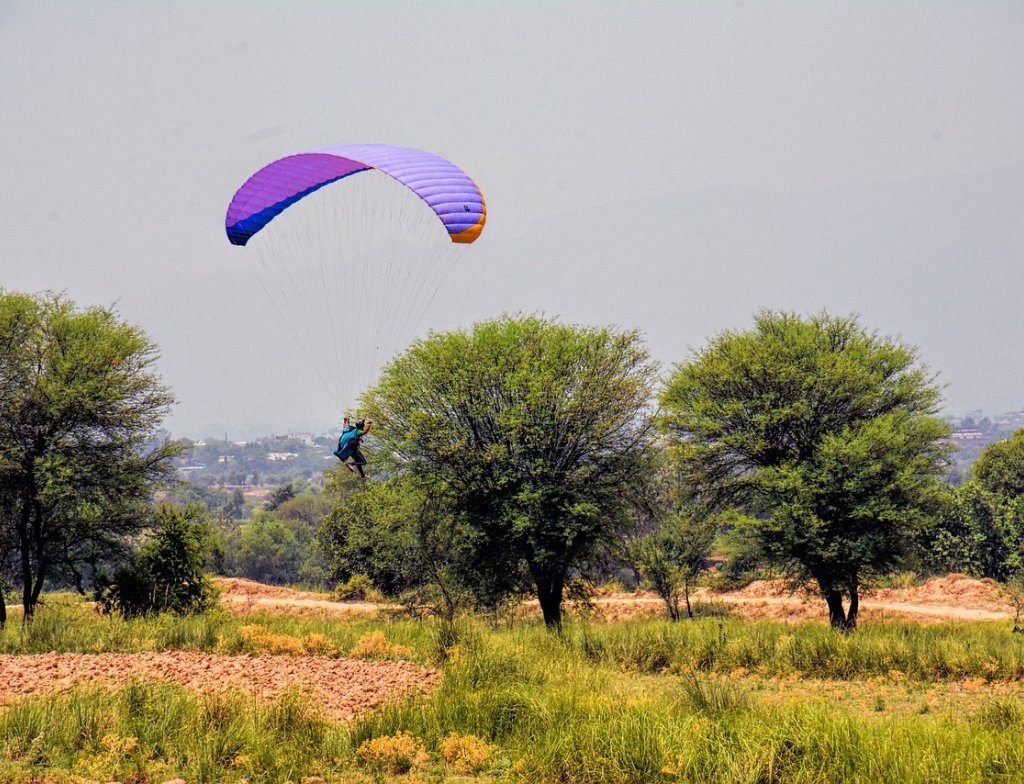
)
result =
(526, 457)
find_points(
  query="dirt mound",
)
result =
(765, 588)
(233, 587)
(245, 597)
(954, 590)
(345, 688)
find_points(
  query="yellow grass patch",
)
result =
(374, 645)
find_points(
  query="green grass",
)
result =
(159, 731)
(715, 700)
(558, 716)
(929, 653)
(69, 625)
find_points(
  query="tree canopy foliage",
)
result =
(79, 404)
(410, 548)
(821, 430)
(533, 434)
(999, 468)
(981, 529)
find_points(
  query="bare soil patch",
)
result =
(345, 688)
(244, 597)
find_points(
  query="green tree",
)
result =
(825, 433)
(234, 509)
(308, 509)
(674, 556)
(279, 496)
(410, 548)
(977, 533)
(999, 468)
(303, 515)
(268, 551)
(534, 434)
(981, 529)
(79, 405)
(166, 574)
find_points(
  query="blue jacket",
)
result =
(348, 443)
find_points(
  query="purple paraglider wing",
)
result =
(448, 190)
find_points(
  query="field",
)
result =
(280, 686)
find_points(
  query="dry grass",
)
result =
(393, 754)
(374, 645)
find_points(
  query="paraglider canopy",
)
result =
(449, 191)
(351, 244)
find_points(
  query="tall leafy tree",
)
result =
(268, 551)
(79, 405)
(824, 432)
(534, 433)
(981, 531)
(978, 532)
(999, 468)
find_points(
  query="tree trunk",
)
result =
(672, 605)
(549, 594)
(25, 547)
(851, 614)
(836, 613)
(34, 582)
(3, 609)
(40, 580)
(686, 595)
(839, 618)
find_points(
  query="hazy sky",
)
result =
(670, 167)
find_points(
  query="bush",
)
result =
(1000, 714)
(269, 551)
(374, 645)
(257, 639)
(393, 754)
(166, 574)
(466, 753)
(356, 589)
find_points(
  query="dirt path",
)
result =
(875, 608)
(955, 597)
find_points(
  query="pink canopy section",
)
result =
(449, 191)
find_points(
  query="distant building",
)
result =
(967, 434)
(305, 438)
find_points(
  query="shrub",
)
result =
(257, 639)
(392, 754)
(713, 697)
(1000, 714)
(166, 574)
(374, 645)
(356, 589)
(466, 753)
